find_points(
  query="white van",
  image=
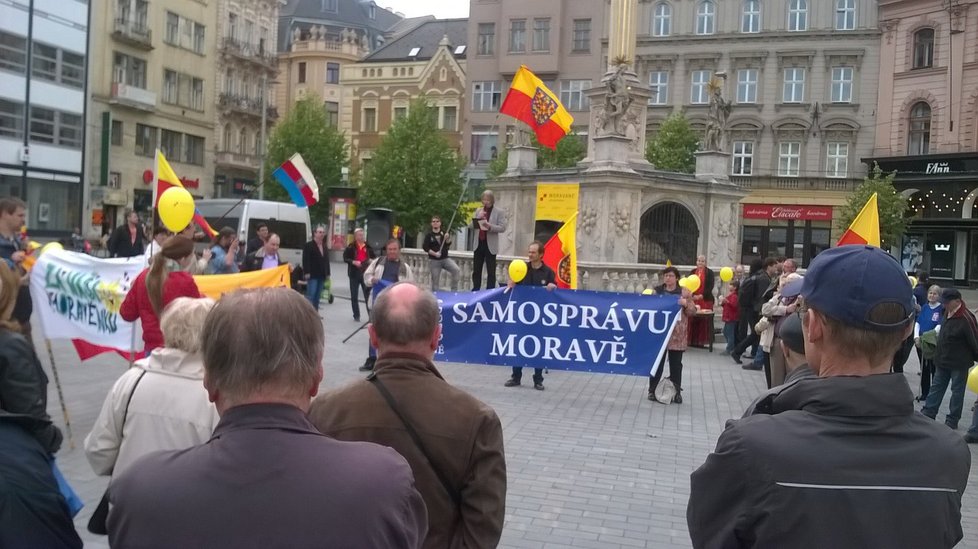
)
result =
(288, 221)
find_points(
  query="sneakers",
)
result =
(652, 396)
(736, 359)
(368, 364)
(511, 383)
(356, 318)
(751, 366)
(952, 425)
(538, 386)
(971, 439)
(678, 399)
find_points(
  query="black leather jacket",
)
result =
(24, 390)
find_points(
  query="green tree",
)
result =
(306, 130)
(672, 147)
(570, 150)
(892, 206)
(414, 171)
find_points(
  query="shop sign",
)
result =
(242, 186)
(190, 183)
(957, 164)
(787, 213)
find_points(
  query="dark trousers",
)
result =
(926, 371)
(537, 374)
(356, 284)
(482, 256)
(752, 339)
(675, 359)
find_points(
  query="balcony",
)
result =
(133, 33)
(131, 96)
(245, 105)
(233, 160)
(248, 52)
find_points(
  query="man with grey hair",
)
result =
(357, 257)
(267, 477)
(453, 441)
(488, 221)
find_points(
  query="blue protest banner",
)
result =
(602, 332)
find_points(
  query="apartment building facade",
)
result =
(42, 110)
(559, 40)
(246, 64)
(152, 84)
(928, 131)
(428, 62)
(801, 79)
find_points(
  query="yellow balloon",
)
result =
(647, 291)
(176, 208)
(517, 270)
(973, 379)
(913, 281)
(726, 274)
(51, 246)
(692, 283)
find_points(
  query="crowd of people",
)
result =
(222, 416)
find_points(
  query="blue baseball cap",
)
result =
(847, 282)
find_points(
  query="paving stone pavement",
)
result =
(591, 462)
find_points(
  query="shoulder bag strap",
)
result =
(375, 381)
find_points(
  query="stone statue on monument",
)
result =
(716, 124)
(616, 102)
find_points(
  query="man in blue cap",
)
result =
(828, 465)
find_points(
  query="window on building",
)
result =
(751, 18)
(332, 73)
(845, 14)
(789, 159)
(837, 160)
(920, 117)
(706, 13)
(42, 124)
(72, 69)
(232, 26)
(797, 15)
(70, 130)
(146, 137)
(487, 39)
(582, 36)
(486, 95)
(517, 35)
(399, 113)
(129, 70)
(743, 158)
(197, 94)
(794, 85)
(449, 118)
(13, 53)
(116, 133)
(923, 49)
(142, 12)
(662, 19)
(199, 31)
(171, 33)
(228, 138)
(11, 119)
(572, 94)
(333, 113)
(193, 150)
(369, 119)
(541, 34)
(44, 64)
(698, 94)
(302, 72)
(659, 88)
(169, 87)
(484, 145)
(171, 144)
(747, 85)
(329, 5)
(842, 84)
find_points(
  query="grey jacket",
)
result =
(836, 464)
(497, 224)
(268, 478)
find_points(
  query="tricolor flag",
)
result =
(560, 254)
(865, 228)
(532, 102)
(166, 178)
(298, 181)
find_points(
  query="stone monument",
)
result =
(712, 161)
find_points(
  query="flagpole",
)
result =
(61, 396)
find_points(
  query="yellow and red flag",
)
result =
(530, 101)
(865, 228)
(166, 178)
(560, 254)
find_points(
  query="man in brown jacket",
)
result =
(462, 479)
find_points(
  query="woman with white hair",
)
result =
(161, 403)
(783, 303)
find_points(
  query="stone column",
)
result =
(622, 29)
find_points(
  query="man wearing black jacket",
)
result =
(751, 299)
(436, 244)
(357, 257)
(956, 352)
(827, 466)
(129, 239)
(315, 265)
(540, 275)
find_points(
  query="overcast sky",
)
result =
(442, 9)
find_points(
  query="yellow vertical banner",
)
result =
(557, 201)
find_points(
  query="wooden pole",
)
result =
(61, 396)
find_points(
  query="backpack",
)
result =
(745, 295)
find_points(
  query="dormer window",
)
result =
(373, 10)
(414, 52)
(330, 5)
